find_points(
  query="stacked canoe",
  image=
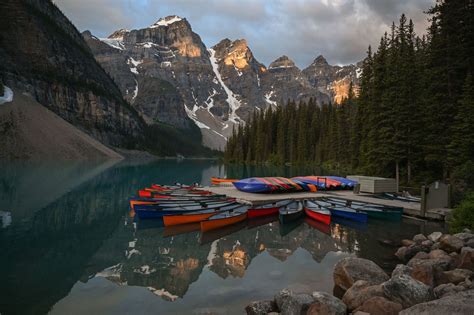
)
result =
(283, 184)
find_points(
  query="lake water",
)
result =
(68, 245)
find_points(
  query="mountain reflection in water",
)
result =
(66, 237)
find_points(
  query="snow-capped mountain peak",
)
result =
(166, 21)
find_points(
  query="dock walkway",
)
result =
(412, 209)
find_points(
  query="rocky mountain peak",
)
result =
(118, 34)
(282, 62)
(320, 61)
(234, 53)
(167, 21)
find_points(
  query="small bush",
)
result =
(463, 215)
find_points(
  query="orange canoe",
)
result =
(217, 180)
(225, 218)
(169, 220)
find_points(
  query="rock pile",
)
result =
(436, 278)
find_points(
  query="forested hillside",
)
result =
(414, 111)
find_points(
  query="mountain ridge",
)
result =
(216, 87)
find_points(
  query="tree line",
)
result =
(414, 112)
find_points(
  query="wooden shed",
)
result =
(375, 185)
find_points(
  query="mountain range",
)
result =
(169, 75)
(158, 88)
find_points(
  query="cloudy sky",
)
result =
(340, 30)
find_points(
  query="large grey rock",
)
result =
(290, 303)
(450, 243)
(361, 291)
(407, 242)
(435, 236)
(407, 291)
(261, 307)
(401, 269)
(455, 304)
(464, 236)
(446, 288)
(406, 253)
(379, 305)
(469, 243)
(428, 270)
(418, 238)
(325, 303)
(466, 260)
(350, 269)
(454, 276)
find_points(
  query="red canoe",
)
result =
(313, 211)
(267, 209)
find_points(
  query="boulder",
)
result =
(379, 305)
(467, 284)
(406, 253)
(454, 276)
(466, 261)
(469, 243)
(407, 242)
(435, 246)
(434, 237)
(407, 291)
(350, 269)
(401, 269)
(445, 289)
(360, 292)
(261, 307)
(361, 313)
(290, 303)
(325, 303)
(427, 244)
(281, 297)
(437, 253)
(464, 236)
(418, 238)
(421, 255)
(450, 243)
(423, 271)
(453, 304)
(428, 270)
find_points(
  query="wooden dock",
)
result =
(412, 209)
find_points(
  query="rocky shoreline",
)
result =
(435, 278)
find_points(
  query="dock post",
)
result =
(424, 193)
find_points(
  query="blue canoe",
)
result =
(146, 213)
(268, 185)
(344, 212)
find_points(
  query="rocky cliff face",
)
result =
(169, 76)
(42, 53)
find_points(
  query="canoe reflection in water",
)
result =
(167, 260)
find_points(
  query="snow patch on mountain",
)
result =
(192, 115)
(116, 43)
(233, 102)
(166, 21)
(135, 64)
(268, 99)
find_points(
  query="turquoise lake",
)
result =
(69, 246)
